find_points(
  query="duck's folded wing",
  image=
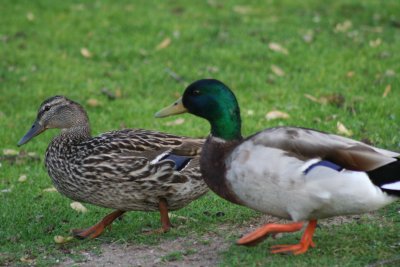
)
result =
(189, 148)
(306, 144)
(135, 153)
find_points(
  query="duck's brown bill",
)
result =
(176, 108)
(34, 131)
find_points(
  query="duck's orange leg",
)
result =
(98, 228)
(264, 231)
(165, 223)
(302, 247)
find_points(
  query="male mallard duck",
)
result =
(293, 173)
(130, 169)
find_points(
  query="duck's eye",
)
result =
(196, 92)
(46, 108)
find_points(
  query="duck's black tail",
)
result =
(387, 177)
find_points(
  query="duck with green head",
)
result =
(289, 172)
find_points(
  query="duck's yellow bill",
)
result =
(176, 108)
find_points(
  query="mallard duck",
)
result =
(292, 173)
(125, 170)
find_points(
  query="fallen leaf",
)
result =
(316, 19)
(333, 99)
(108, 93)
(118, 93)
(7, 190)
(276, 114)
(176, 34)
(178, 121)
(387, 90)
(250, 112)
(50, 189)
(390, 73)
(343, 27)
(61, 239)
(353, 34)
(312, 98)
(30, 16)
(22, 178)
(277, 71)
(212, 69)
(77, 206)
(278, 48)
(92, 102)
(27, 259)
(308, 37)
(375, 43)
(10, 152)
(164, 44)
(143, 52)
(350, 74)
(86, 53)
(243, 10)
(341, 129)
(331, 117)
(172, 215)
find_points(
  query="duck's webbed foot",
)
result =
(264, 231)
(165, 222)
(97, 229)
(302, 247)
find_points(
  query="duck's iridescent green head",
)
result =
(213, 101)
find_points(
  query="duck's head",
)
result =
(57, 112)
(213, 101)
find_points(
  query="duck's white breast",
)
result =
(274, 182)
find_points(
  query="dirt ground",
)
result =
(195, 251)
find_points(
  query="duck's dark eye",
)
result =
(46, 108)
(196, 92)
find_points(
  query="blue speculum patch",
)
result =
(180, 161)
(324, 163)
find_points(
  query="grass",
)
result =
(40, 50)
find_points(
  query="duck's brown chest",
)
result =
(213, 167)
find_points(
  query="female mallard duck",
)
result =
(292, 173)
(130, 169)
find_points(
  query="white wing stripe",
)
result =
(392, 186)
(157, 159)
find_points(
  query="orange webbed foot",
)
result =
(165, 222)
(264, 231)
(97, 229)
(90, 232)
(302, 247)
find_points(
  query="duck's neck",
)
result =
(213, 166)
(227, 125)
(76, 133)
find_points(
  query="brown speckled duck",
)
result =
(130, 169)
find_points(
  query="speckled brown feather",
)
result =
(114, 170)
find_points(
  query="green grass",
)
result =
(40, 43)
